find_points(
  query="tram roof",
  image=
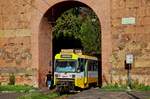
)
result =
(74, 56)
(87, 57)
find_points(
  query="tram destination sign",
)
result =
(66, 56)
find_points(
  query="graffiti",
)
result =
(15, 53)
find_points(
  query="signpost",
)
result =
(128, 66)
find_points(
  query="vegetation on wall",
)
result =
(12, 79)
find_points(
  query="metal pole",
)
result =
(129, 76)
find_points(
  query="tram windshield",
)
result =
(65, 65)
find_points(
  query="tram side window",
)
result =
(81, 64)
(90, 65)
(95, 66)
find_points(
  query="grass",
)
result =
(28, 93)
(118, 87)
(141, 87)
(16, 88)
(114, 87)
(39, 96)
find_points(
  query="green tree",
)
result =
(68, 24)
(83, 24)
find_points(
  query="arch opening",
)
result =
(51, 45)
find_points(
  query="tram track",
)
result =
(134, 96)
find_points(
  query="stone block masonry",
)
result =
(26, 49)
(133, 38)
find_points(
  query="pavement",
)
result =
(101, 94)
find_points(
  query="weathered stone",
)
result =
(118, 30)
(130, 29)
(146, 20)
(140, 29)
(141, 11)
(130, 12)
(26, 38)
(145, 3)
(137, 39)
(15, 52)
(147, 11)
(147, 28)
(139, 21)
(118, 13)
(116, 22)
(118, 4)
(133, 3)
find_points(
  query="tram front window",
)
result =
(65, 65)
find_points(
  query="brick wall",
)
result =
(23, 48)
(133, 38)
(15, 42)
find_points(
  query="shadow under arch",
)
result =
(46, 38)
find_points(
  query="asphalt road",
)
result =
(100, 94)
(94, 93)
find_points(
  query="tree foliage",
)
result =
(80, 23)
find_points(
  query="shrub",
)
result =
(12, 79)
(135, 85)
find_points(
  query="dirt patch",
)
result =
(10, 95)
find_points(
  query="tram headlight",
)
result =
(73, 76)
(56, 75)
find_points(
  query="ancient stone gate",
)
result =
(26, 41)
(48, 8)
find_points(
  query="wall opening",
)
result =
(50, 45)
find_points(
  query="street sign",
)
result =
(129, 58)
(128, 64)
(129, 20)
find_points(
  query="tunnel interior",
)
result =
(63, 42)
(66, 42)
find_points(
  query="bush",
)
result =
(12, 79)
(135, 85)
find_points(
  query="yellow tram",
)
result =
(73, 70)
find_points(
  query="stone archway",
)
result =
(42, 49)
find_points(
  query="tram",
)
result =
(74, 71)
